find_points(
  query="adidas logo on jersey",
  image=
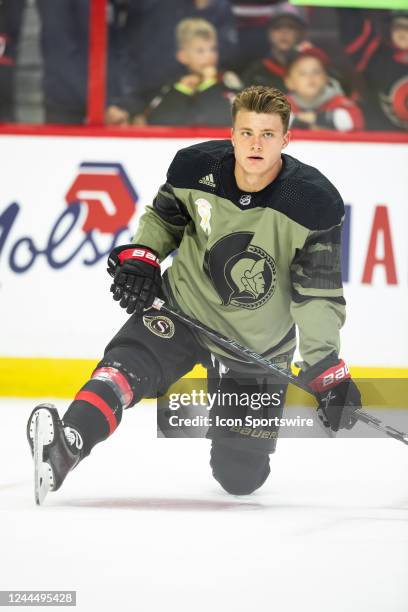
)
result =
(208, 180)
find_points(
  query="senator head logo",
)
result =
(109, 195)
(243, 274)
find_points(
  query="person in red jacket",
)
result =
(317, 100)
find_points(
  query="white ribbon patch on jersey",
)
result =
(204, 210)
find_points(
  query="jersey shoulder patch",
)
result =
(198, 166)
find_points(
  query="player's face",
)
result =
(198, 54)
(258, 139)
(307, 77)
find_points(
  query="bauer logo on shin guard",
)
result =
(161, 326)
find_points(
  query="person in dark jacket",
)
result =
(64, 44)
(202, 96)
(140, 54)
(286, 34)
(11, 12)
(151, 46)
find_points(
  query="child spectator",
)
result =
(203, 95)
(383, 62)
(317, 100)
(286, 35)
(150, 49)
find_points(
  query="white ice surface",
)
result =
(142, 526)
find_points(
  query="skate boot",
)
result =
(56, 449)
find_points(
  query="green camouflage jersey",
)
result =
(252, 266)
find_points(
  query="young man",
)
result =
(258, 238)
(202, 96)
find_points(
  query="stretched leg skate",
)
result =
(56, 449)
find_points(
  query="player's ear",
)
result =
(232, 137)
(286, 139)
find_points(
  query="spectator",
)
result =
(317, 100)
(11, 12)
(203, 95)
(286, 35)
(252, 20)
(64, 43)
(383, 61)
(151, 49)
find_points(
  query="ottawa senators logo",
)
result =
(242, 273)
(160, 326)
(395, 106)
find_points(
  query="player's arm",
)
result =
(318, 308)
(162, 225)
(135, 267)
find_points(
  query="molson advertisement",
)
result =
(66, 201)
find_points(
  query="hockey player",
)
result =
(258, 238)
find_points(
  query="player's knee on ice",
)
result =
(239, 471)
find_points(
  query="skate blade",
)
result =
(43, 477)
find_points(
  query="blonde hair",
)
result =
(262, 99)
(187, 29)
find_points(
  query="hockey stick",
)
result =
(284, 377)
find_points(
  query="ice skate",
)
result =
(56, 449)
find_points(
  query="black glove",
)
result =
(336, 393)
(136, 276)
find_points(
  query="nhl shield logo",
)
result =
(160, 326)
(245, 200)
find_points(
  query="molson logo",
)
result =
(99, 206)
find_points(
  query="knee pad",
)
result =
(96, 410)
(117, 381)
(139, 374)
(238, 471)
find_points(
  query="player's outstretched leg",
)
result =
(145, 357)
(58, 445)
